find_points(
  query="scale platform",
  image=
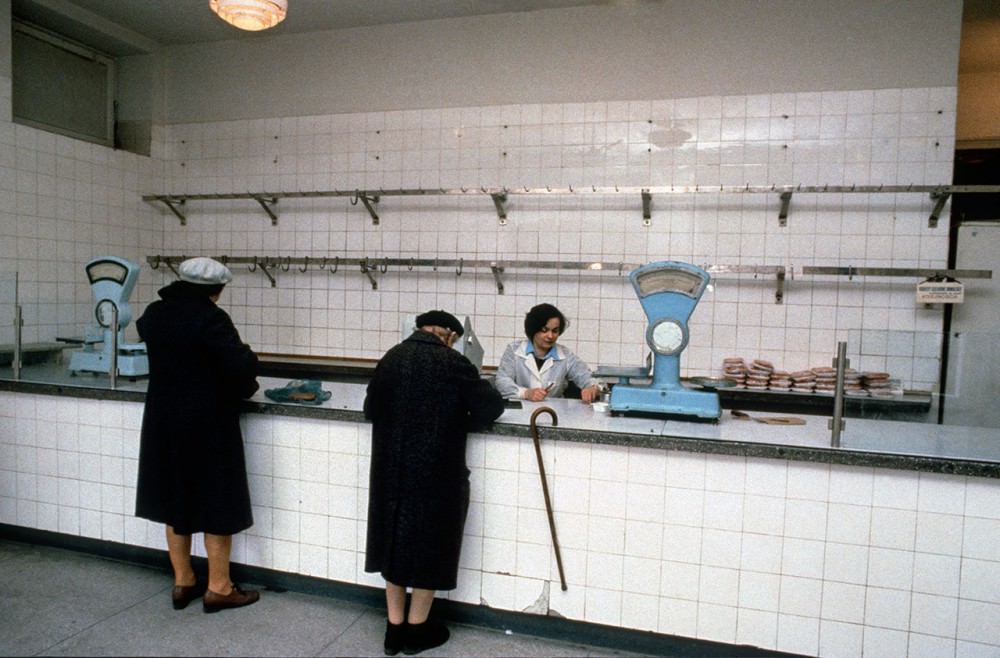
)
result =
(680, 403)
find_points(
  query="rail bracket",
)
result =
(370, 201)
(268, 203)
(500, 202)
(939, 199)
(366, 269)
(786, 200)
(175, 205)
(497, 271)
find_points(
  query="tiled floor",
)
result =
(60, 602)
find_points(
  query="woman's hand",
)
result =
(590, 394)
(536, 394)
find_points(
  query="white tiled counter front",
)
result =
(801, 555)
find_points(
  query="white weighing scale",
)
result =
(668, 292)
(467, 344)
(112, 280)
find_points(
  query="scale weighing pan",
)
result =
(668, 292)
(712, 383)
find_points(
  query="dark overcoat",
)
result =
(423, 399)
(192, 471)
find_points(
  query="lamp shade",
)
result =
(250, 15)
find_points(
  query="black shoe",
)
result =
(395, 638)
(423, 636)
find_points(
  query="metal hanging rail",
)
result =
(268, 265)
(939, 195)
(926, 273)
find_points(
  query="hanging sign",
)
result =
(940, 292)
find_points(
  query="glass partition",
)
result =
(8, 310)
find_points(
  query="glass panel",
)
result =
(8, 292)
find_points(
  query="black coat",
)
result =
(192, 472)
(423, 399)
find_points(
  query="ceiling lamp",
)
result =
(250, 15)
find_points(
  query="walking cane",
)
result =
(545, 487)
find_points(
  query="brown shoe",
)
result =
(236, 599)
(184, 594)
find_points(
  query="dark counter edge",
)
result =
(547, 626)
(840, 456)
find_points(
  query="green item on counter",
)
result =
(300, 391)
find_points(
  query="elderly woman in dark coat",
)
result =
(192, 473)
(423, 399)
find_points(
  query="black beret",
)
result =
(440, 319)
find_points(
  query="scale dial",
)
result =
(104, 313)
(667, 337)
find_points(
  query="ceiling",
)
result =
(128, 27)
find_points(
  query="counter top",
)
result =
(876, 443)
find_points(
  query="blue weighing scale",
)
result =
(668, 292)
(112, 280)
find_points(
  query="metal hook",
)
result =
(305, 265)
(322, 264)
(410, 266)
(288, 264)
(336, 265)
(155, 263)
(254, 268)
(384, 267)
(461, 266)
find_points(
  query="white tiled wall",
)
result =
(807, 558)
(862, 137)
(65, 201)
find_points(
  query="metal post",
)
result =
(16, 362)
(113, 366)
(18, 324)
(837, 422)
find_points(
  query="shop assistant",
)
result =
(537, 368)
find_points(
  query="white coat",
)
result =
(517, 371)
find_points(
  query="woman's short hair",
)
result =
(539, 316)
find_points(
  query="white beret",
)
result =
(205, 271)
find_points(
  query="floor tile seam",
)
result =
(48, 651)
(325, 649)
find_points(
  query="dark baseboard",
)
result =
(552, 627)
